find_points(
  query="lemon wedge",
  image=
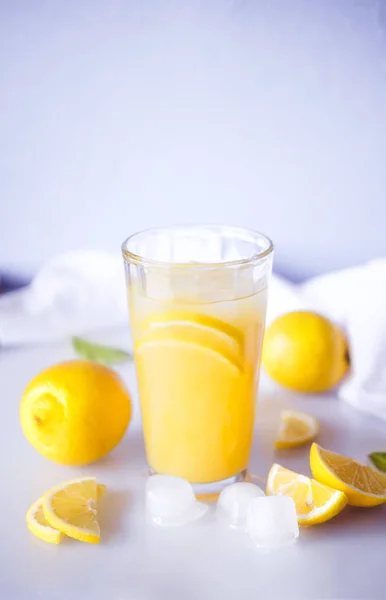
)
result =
(362, 485)
(38, 524)
(315, 503)
(296, 428)
(71, 508)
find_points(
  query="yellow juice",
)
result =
(197, 366)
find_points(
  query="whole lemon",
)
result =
(75, 412)
(305, 352)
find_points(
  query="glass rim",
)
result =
(142, 260)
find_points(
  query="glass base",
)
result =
(210, 491)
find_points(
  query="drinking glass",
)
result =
(197, 303)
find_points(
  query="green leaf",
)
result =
(378, 459)
(98, 353)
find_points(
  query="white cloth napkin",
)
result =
(73, 294)
(83, 291)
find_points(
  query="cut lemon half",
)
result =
(71, 508)
(38, 524)
(197, 327)
(296, 428)
(362, 485)
(315, 503)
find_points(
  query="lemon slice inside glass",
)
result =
(197, 327)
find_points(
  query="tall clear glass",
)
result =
(197, 303)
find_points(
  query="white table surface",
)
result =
(343, 559)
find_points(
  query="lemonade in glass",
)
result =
(197, 304)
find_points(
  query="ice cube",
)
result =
(171, 501)
(272, 522)
(233, 502)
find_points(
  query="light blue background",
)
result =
(118, 115)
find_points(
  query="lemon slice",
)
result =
(296, 428)
(362, 485)
(38, 524)
(71, 508)
(177, 338)
(198, 327)
(315, 503)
